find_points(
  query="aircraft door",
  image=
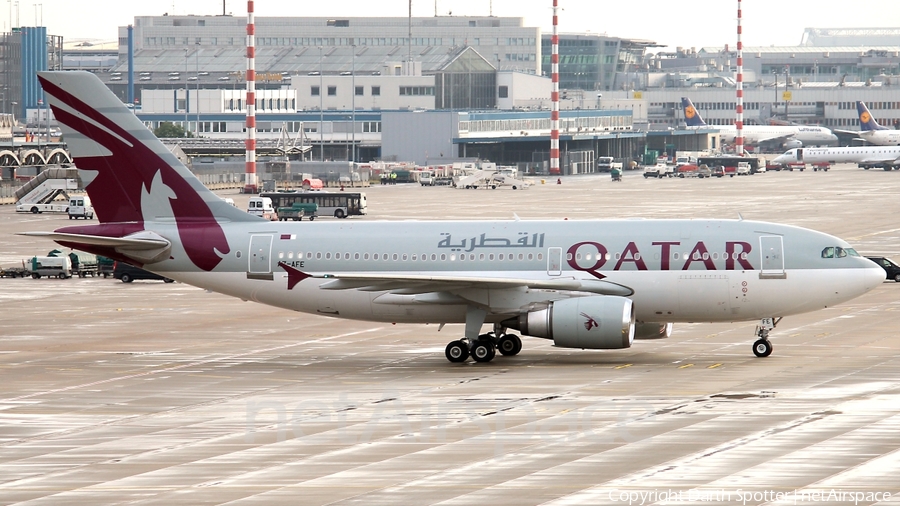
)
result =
(799, 154)
(554, 261)
(260, 257)
(771, 251)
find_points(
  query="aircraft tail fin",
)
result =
(128, 173)
(691, 114)
(866, 120)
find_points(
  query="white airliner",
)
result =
(886, 157)
(787, 136)
(871, 131)
(584, 284)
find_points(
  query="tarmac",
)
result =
(151, 393)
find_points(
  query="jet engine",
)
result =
(652, 330)
(791, 144)
(597, 323)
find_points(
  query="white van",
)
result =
(262, 207)
(80, 207)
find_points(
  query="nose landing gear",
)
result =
(762, 347)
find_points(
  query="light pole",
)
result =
(186, 92)
(353, 102)
(197, 59)
(774, 107)
(321, 108)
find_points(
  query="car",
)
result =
(128, 273)
(224, 78)
(891, 269)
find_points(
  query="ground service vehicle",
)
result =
(338, 204)
(297, 211)
(891, 270)
(80, 207)
(128, 273)
(606, 164)
(262, 207)
(58, 267)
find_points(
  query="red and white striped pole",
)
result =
(554, 95)
(250, 185)
(739, 120)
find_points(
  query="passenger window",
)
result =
(828, 252)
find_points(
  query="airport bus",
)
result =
(337, 204)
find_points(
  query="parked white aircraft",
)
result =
(584, 284)
(787, 136)
(886, 157)
(871, 131)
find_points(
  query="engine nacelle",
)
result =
(793, 143)
(652, 330)
(597, 323)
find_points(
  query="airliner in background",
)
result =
(787, 136)
(870, 131)
(886, 157)
(596, 284)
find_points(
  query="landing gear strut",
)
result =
(762, 347)
(483, 347)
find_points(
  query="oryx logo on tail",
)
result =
(157, 185)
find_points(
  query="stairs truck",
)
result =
(43, 193)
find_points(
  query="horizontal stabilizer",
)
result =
(145, 247)
(133, 243)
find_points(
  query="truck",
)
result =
(83, 264)
(105, 266)
(660, 170)
(297, 211)
(59, 267)
(15, 272)
(607, 164)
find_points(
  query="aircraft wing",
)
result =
(881, 159)
(848, 132)
(773, 138)
(404, 284)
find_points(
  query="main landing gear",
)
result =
(482, 347)
(762, 347)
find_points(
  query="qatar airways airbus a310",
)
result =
(595, 284)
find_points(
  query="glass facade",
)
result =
(468, 82)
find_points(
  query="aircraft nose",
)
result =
(873, 276)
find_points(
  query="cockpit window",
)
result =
(838, 252)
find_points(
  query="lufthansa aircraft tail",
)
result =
(691, 115)
(867, 122)
(133, 180)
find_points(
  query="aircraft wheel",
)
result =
(483, 351)
(457, 352)
(762, 348)
(509, 345)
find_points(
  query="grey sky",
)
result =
(688, 23)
